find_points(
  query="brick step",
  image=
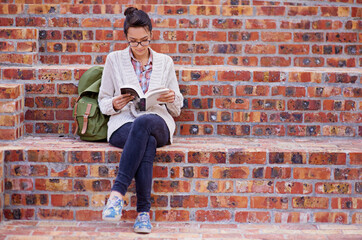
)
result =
(195, 179)
(247, 101)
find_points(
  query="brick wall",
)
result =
(246, 68)
(11, 111)
(195, 179)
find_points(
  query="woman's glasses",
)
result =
(143, 43)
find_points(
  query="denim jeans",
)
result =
(139, 141)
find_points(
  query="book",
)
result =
(149, 99)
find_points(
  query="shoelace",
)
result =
(143, 218)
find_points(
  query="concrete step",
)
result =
(195, 179)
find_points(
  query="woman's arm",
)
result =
(175, 107)
(108, 103)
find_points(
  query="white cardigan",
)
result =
(119, 71)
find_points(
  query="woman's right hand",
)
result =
(120, 101)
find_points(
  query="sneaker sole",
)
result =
(142, 230)
(115, 219)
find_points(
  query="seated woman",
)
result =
(139, 133)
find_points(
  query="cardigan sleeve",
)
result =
(175, 107)
(107, 90)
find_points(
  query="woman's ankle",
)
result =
(115, 193)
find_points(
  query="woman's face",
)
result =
(139, 34)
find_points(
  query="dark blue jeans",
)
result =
(139, 141)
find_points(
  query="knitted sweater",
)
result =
(118, 71)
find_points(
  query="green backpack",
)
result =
(91, 124)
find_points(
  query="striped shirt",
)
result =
(143, 72)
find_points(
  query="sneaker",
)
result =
(113, 210)
(143, 223)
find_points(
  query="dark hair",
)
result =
(136, 18)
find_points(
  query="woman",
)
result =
(139, 133)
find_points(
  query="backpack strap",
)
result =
(85, 118)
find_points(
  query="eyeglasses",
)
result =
(143, 43)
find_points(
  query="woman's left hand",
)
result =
(167, 97)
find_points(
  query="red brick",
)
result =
(55, 184)
(220, 186)
(327, 24)
(171, 186)
(210, 36)
(189, 90)
(356, 158)
(232, 103)
(335, 11)
(196, 172)
(287, 157)
(341, 37)
(304, 105)
(212, 215)
(172, 10)
(93, 185)
(286, 117)
(163, 23)
(233, 76)
(302, 11)
(341, 62)
(172, 215)
(242, 36)
(304, 130)
(194, 23)
(268, 76)
(193, 48)
(189, 201)
(330, 217)
(252, 217)
(293, 188)
(227, 23)
(260, 24)
(62, 200)
(190, 75)
(339, 131)
(243, 61)
(227, 48)
(305, 77)
(19, 214)
(302, 24)
(167, 156)
(320, 117)
(88, 215)
(29, 170)
(233, 130)
(58, 128)
(206, 157)
(294, 49)
(29, 199)
(217, 90)
(327, 49)
(76, 59)
(252, 117)
(161, 172)
(69, 171)
(107, 9)
(6, 21)
(269, 202)
(63, 22)
(268, 104)
(229, 202)
(19, 33)
(275, 62)
(352, 92)
(237, 11)
(254, 186)
(214, 116)
(13, 155)
(271, 172)
(86, 156)
(333, 188)
(260, 49)
(291, 217)
(19, 184)
(312, 173)
(230, 172)
(208, 60)
(310, 202)
(178, 35)
(270, 11)
(351, 117)
(46, 156)
(347, 173)
(240, 156)
(346, 203)
(276, 36)
(193, 129)
(356, 12)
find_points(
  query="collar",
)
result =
(149, 59)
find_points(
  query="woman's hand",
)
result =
(167, 97)
(120, 101)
